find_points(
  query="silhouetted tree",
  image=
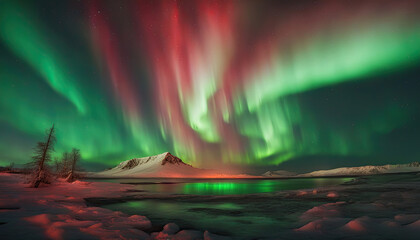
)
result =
(74, 158)
(56, 164)
(41, 157)
(64, 165)
(11, 166)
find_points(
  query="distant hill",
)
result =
(279, 173)
(351, 171)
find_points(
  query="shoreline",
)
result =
(261, 177)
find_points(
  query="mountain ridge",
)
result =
(351, 171)
(161, 165)
(164, 165)
(167, 158)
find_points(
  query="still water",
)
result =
(226, 186)
(227, 207)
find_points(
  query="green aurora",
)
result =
(222, 86)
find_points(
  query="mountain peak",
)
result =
(171, 159)
(160, 159)
(161, 165)
(164, 165)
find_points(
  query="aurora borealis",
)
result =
(243, 84)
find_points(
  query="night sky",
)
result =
(249, 85)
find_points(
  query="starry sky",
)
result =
(249, 85)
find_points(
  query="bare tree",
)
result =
(41, 157)
(11, 167)
(56, 164)
(74, 157)
(64, 165)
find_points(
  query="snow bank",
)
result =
(59, 212)
(385, 211)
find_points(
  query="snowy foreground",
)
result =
(59, 212)
(360, 209)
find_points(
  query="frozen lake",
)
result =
(373, 207)
(316, 208)
(269, 208)
(232, 207)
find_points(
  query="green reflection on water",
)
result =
(227, 186)
(253, 186)
(215, 188)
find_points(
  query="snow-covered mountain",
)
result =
(352, 171)
(162, 165)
